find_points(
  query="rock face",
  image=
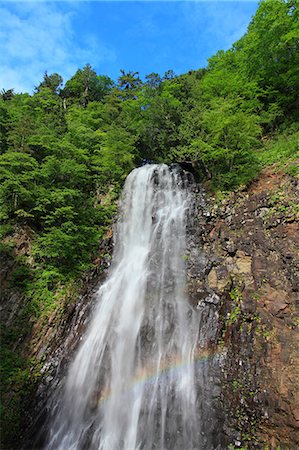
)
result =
(52, 345)
(250, 266)
(243, 274)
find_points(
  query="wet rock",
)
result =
(256, 277)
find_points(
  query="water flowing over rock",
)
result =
(141, 377)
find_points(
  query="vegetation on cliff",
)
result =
(66, 150)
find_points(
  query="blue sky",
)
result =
(144, 36)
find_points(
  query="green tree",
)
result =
(115, 157)
(159, 133)
(53, 82)
(169, 75)
(7, 94)
(225, 143)
(86, 86)
(153, 80)
(129, 80)
(17, 186)
(4, 126)
(49, 113)
(270, 52)
(22, 123)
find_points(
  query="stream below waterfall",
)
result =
(142, 377)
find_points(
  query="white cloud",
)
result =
(35, 37)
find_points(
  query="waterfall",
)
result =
(134, 382)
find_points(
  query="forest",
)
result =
(67, 149)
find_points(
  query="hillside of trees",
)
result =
(67, 149)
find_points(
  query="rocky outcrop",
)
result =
(250, 263)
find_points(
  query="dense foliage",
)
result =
(66, 150)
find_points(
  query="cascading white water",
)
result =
(133, 382)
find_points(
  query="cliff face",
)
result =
(42, 347)
(243, 270)
(250, 263)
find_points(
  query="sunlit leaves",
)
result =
(18, 176)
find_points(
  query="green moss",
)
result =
(236, 296)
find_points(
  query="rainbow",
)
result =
(172, 364)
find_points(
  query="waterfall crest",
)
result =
(133, 383)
